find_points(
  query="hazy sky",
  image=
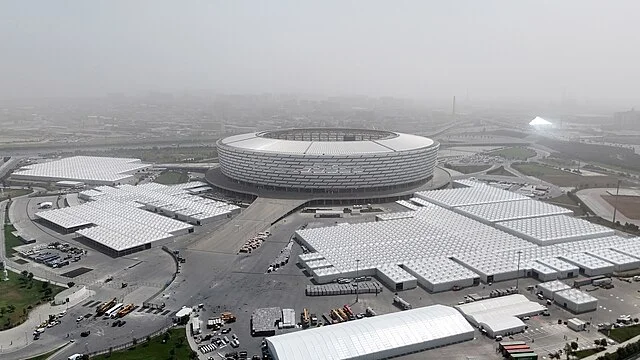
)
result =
(492, 49)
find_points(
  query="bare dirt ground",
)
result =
(629, 206)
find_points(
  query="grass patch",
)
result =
(468, 169)
(175, 347)
(10, 241)
(47, 355)
(623, 334)
(514, 153)
(501, 171)
(12, 193)
(19, 295)
(581, 354)
(172, 177)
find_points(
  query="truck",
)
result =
(105, 306)
(349, 312)
(601, 282)
(342, 314)
(401, 303)
(228, 317)
(369, 312)
(125, 310)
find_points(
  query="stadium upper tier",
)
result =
(322, 160)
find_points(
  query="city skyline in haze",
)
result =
(488, 50)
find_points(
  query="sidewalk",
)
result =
(22, 335)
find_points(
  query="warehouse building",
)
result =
(556, 229)
(620, 261)
(92, 170)
(589, 265)
(401, 249)
(501, 315)
(547, 289)
(441, 274)
(115, 221)
(565, 270)
(511, 210)
(575, 301)
(378, 337)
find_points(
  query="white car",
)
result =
(79, 319)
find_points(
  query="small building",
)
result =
(576, 324)
(396, 278)
(288, 319)
(565, 269)
(549, 288)
(265, 320)
(183, 315)
(500, 315)
(575, 301)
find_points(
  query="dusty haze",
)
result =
(542, 50)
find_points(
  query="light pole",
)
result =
(615, 205)
(357, 282)
(518, 275)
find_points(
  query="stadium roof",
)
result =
(84, 168)
(429, 326)
(539, 121)
(392, 143)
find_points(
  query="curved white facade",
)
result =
(328, 159)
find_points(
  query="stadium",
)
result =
(328, 160)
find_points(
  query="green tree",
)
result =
(45, 285)
(30, 276)
(574, 346)
(2, 311)
(567, 350)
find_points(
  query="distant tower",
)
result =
(453, 108)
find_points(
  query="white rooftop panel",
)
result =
(587, 261)
(481, 194)
(555, 229)
(512, 210)
(553, 286)
(575, 296)
(558, 264)
(372, 337)
(84, 168)
(613, 257)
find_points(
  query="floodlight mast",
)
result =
(518, 274)
(357, 282)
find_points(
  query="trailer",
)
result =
(504, 344)
(105, 306)
(125, 310)
(401, 303)
(114, 310)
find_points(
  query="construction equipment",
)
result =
(228, 317)
(106, 306)
(349, 312)
(125, 310)
(304, 317)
